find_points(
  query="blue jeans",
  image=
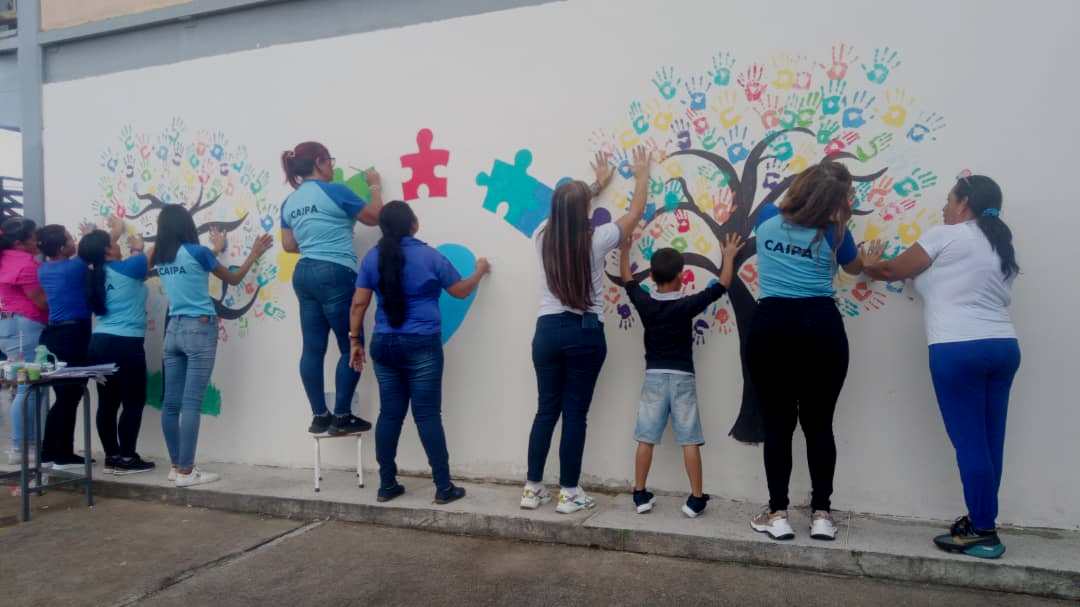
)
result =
(410, 367)
(325, 291)
(190, 351)
(665, 395)
(10, 329)
(972, 380)
(568, 351)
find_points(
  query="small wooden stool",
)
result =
(359, 456)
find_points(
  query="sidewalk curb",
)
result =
(972, 573)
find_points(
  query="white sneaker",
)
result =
(822, 526)
(531, 500)
(570, 503)
(775, 524)
(197, 477)
(14, 457)
(172, 474)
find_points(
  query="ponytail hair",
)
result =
(984, 198)
(396, 222)
(300, 161)
(16, 230)
(51, 239)
(93, 249)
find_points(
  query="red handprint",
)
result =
(839, 66)
(682, 219)
(751, 82)
(879, 192)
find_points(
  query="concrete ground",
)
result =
(126, 552)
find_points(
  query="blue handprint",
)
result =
(681, 128)
(721, 71)
(696, 88)
(645, 245)
(622, 164)
(830, 98)
(217, 151)
(639, 118)
(928, 124)
(885, 60)
(855, 109)
(672, 195)
(666, 82)
(736, 146)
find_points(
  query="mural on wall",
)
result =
(732, 139)
(142, 172)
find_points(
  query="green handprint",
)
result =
(827, 130)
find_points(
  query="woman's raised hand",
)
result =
(603, 170)
(261, 245)
(483, 266)
(641, 162)
(732, 243)
(871, 252)
(217, 241)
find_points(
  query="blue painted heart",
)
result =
(452, 309)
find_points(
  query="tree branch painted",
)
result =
(730, 141)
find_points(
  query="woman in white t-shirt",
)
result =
(964, 271)
(568, 347)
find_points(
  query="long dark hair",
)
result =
(16, 230)
(820, 198)
(92, 249)
(396, 221)
(300, 161)
(566, 246)
(174, 228)
(51, 239)
(984, 198)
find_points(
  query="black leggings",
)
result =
(127, 387)
(68, 341)
(797, 352)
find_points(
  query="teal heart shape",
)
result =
(452, 309)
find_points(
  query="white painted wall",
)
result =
(10, 153)
(544, 78)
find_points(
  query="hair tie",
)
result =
(991, 212)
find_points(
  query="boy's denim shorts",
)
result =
(664, 395)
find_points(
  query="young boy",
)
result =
(670, 389)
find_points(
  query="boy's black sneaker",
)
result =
(320, 423)
(964, 537)
(694, 506)
(131, 465)
(450, 494)
(643, 501)
(348, 424)
(385, 495)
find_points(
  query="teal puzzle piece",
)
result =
(527, 200)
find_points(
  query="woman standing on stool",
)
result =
(117, 294)
(317, 221)
(408, 276)
(191, 331)
(569, 347)
(63, 278)
(23, 315)
(964, 272)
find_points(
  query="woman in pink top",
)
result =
(23, 311)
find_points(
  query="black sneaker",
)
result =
(385, 495)
(643, 501)
(320, 423)
(965, 538)
(110, 463)
(694, 506)
(450, 494)
(131, 465)
(348, 424)
(68, 462)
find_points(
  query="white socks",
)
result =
(535, 487)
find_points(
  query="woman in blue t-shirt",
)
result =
(191, 333)
(117, 296)
(63, 278)
(796, 348)
(408, 276)
(317, 221)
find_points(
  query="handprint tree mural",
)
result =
(732, 140)
(219, 186)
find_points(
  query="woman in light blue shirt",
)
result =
(191, 331)
(317, 221)
(117, 296)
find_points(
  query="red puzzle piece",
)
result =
(423, 165)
